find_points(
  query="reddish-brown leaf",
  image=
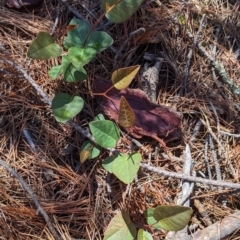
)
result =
(151, 119)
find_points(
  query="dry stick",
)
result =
(207, 125)
(230, 134)
(202, 211)
(140, 30)
(57, 18)
(218, 125)
(215, 49)
(195, 132)
(220, 230)
(189, 56)
(206, 158)
(190, 178)
(186, 186)
(215, 160)
(183, 198)
(34, 198)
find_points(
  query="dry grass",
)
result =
(75, 196)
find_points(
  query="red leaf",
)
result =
(151, 119)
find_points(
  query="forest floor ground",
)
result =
(81, 199)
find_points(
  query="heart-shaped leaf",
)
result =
(44, 47)
(71, 73)
(120, 12)
(126, 116)
(120, 228)
(143, 235)
(121, 78)
(125, 167)
(55, 71)
(65, 107)
(172, 218)
(105, 132)
(107, 163)
(81, 56)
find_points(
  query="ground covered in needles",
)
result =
(192, 38)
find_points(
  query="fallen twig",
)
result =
(230, 134)
(190, 178)
(57, 18)
(195, 132)
(183, 198)
(214, 50)
(206, 158)
(214, 157)
(34, 198)
(203, 212)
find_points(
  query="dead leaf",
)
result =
(122, 77)
(126, 116)
(151, 119)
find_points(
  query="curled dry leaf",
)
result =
(152, 120)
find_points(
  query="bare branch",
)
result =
(190, 178)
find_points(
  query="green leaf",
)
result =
(99, 117)
(121, 78)
(81, 56)
(44, 47)
(66, 43)
(172, 218)
(65, 107)
(121, 11)
(105, 132)
(120, 228)
(71, 73)
(150, 219)
(77, 36)
(93, 149)
(143, 235)
(97, 40)
(107, 163)
(125, 167)
(55, 71)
